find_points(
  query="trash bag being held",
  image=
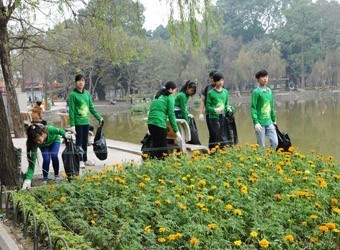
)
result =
(283, 140)
(71, 157)
(232, 129)
(146, 146)
(99, 144)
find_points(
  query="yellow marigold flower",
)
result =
(278, 197)
(253, 234)
(212, 225)
(229, 207)
(336, 210)
(238, 243)
(90, 170)
(228, 165)
(331, 225)
(161, 240)
(178, 235)
(158, 202)
(336, 230)
(162, 230)
(307, 172)
(171, 237)
(194, 241)
(213, 150)
(200, 205)
(147, 229)
(334, 201)
(289, 238)
(323, 184)
(141, 184)
(213, 187)
(313, 217)
(62, 198)
(313, 240)
(93, 222)
(264, 243)
(202, 182)
(226, 184)
(210, 197)
(304, 223)
(323, 228)
(168, 201)
(64, 175)
(238, 212)
(200, 196)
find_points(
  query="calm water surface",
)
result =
(311, 124)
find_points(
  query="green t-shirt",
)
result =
(181, 102)
(217, 99)
(262, 106)
(80, 106)
(53, 135)
(161, 109)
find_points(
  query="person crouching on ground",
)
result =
(47, 138)
(262, 111)
(162, 108)
(37, 113)
(80, 107)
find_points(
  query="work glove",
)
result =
(190, 115)
(178, 135)
(201, 117)
(274, 123)
(101, 121)
(73, 130)
(218, 111)
(68, 135)
(258, 127)
(26, 184)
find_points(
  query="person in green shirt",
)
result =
(161, 109)
(262, 111)
(217, 105)
(47, 139)
(181, 111)
(80, 107)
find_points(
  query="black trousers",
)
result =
(158, 138)
(82, 139)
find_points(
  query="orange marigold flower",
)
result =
(194, 241)
(289, 238)
(323, 228)
(62, 198)
(161, 240)
(313, 240)
(291, 149)
(229, 207)
(212, 225)
(278, 197)
(331, 225)
(264, 243)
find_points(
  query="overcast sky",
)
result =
(155, 13)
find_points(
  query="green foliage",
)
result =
(136, 108)
(234, 196)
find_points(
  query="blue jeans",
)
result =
(82, 138)
(48, 153)
(270, 132)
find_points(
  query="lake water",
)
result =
(311, 124)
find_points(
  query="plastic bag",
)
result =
(194, 133)
(232, 129)
(146, 146)
(99, 144)
(283, 140)
(71, 157)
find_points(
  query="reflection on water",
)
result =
(311, 124)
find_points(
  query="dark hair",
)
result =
(189, 85)
(165, 90)
(79, 77)
(33, 132)
(38, 103)
(261, 73)
(217, 76)
(211, 74)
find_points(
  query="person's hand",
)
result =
(218, 111)
(258, 127)
(26, 184)
(274, 123)
(73, 130)
(68, 135)
(178, 135)
(101, 121)
(190, 115)
(229, 110)
(201, 117)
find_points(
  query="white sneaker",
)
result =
(26, 184)
(89, 163)
(82, 165)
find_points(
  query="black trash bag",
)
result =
(193, 131)
(219, 133)
(283, 140)
(146, 146)
(99, 144)
(71, 156)
(232, 129)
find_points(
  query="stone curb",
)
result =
(6, 241)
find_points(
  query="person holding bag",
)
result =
(161, 109)
(80, 107)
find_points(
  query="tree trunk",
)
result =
(9, 172)
(18, 125)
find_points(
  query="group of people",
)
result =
(166, 105)
(214, 108)
(47, 138)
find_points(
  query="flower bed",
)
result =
(235, 198)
